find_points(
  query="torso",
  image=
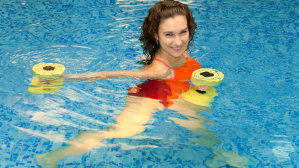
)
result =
(182, 69)
(167, 89)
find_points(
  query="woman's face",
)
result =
(173, 35)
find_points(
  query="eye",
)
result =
(169, 34)
(184, 32)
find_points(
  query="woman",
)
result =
(166, 34)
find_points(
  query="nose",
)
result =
(178, 40)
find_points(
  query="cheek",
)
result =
(187, 37)
(164, 41)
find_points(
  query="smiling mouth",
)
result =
(177, 48)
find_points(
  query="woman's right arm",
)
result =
(149, 72)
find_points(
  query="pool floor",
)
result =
(253, 121)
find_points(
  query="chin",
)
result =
(177, 54)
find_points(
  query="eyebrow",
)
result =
(172, 32)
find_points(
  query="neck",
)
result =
(170, 60)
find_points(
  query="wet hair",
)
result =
(160, 11)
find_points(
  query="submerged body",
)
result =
(141, 103)
(168, 89)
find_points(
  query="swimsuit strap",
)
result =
(166, 66)
(162, 62)
(165, 63)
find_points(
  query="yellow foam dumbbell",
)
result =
(47, 78)
(207, 76)
(204, 76)
(48, 71)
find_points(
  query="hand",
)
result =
(202, 87)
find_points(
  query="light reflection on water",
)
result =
(253, 43)
(129, 122)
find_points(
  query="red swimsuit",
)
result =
(167, 89)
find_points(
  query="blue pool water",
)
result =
(255, 115)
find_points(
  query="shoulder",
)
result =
(158, 68)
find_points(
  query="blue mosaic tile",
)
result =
(254, 43)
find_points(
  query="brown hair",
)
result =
(162, 10)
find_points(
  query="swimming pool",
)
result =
(255, 115)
